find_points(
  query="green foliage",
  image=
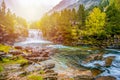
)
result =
(82, 26)
(5, 48)
(34, 77)
(95, 22)
(113, 18)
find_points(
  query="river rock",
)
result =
(108, 61)
(51, 78)
(37, 59)
(106, 78)
(16, 52)
(13, 67)
(2, 53)
(49, 66)
(18, 47)
(96, 72)
(28, 49)
(3, 76)
(52, 74)
(93, 57)
(49, 71)
(45, 54)
(83, 77)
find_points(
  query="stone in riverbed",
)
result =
(106, 78)
(108, 61)
(83, 77)
(51, 78)
(37, 59)
(49, 66)
(96, 72)
(2, 53)
(45, 54)
(18, 47)
(16, 52)
(93, 57)
(49, 71)
(52, 74)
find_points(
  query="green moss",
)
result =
(5, 60)
(4, 48)
(34, 77)
(19, 60)
(1, 69)
(42, 72)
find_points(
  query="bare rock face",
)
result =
(106, 78)
(70, 4)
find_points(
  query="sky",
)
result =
(31, 10)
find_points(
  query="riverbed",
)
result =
(73, 61)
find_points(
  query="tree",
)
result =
(3, 8)
(113, 18)
(81, 15)
(95, 22)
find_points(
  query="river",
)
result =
(70, 59)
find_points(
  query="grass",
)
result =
(35, 77)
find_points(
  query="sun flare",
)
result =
(31, 10)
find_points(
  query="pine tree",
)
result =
(81, 15)
(113, 18)
(3, 8)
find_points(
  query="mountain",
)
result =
(63, 4)
(86, 3)
(75, 4)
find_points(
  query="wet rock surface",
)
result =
(83, 77)
(106, 78)
(109, 60)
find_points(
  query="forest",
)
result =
(93, 26)
(11, 26)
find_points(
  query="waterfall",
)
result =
(34, 35)
(34, 38)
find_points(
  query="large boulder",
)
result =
(49, 66)
(18, 47)
(93, 57)
(106, 78)
(83, 77)
(108, 61)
